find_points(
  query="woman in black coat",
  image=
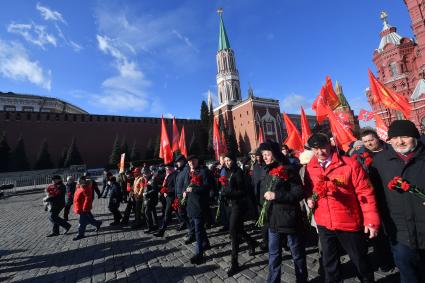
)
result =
(235, 190)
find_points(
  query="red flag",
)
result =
(365, 115)
(182, 144)
(223, 143)
(331, 98)
(305, 127)
(260, 135)
(381, 128)
(390, 99)
(176, 136)
(293, 141)
(165, 147)
(217, 140)
(342, 135)
(320, 106)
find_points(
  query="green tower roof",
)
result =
(223, 41)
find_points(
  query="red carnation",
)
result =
(224, 181)
(196, 180)
(176, 204)
(279, 172)
(366, 154)
(405, 186)
(164, 190)
(368, 161)
(52, 190)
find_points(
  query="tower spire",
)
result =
(223, 40)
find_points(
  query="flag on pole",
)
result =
(389, 98)
(182, 143)
(176, 136)
(122, 163)
(365, 115)
(305, 127)
(260, 135)
(342, 135)
(320, 106)
(381, 127)
(331, 98)
(216, 140)
(293, 141)
(223, 143)
(165, 151)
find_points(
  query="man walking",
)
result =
(56, 198)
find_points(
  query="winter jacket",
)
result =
(403, 214)
(236, 190)
(70, 190)
(258, 173)
(197, 200)
(116, 195)
(182, 180)
(83, 198)
(283, 214)
(150, 192)
(350, 202)
(170, 183)
(57, 200)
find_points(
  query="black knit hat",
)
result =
(403, 128)
(318, 140)
(274, 148)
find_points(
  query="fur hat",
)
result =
(403, 128)
(318, 140)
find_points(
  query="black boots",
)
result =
(234, 267)
(160, 233)
(197, 259)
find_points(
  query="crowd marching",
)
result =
(372, 195)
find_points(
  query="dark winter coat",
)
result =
(182, 180)
(150, 195)
(116, 195)
(170, 183)
(58, 201)
(70, 190)
(236, 190)
(402, 213)
(197, 200)
(258, 173)
(284, 213)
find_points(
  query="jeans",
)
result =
(410, 262)
(354, 244)
(85, 219)
(57, 220)
(200, 234)
(275, 256)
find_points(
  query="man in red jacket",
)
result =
(83, 198)
(344, 206)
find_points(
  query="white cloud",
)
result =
(126, 90)
(15, 64)
(292, 104)
(33, 33)
(185, 40)
(50, 15)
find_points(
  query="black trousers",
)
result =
(131, 206)
(66, 210)
(167, 214)
(354, 244)
(115, 212)
(236, 229)
(150, 214)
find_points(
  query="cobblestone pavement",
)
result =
(120, 254)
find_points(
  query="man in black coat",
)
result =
(403, 213)
(115, 199)
(196, 195)
(69, 196)
(182, 181)
(57, 201)
(170, 185)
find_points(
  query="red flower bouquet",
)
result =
(224, 181)
(278, 173)
(176, 204)
(164, 190)
(195, 181)
(400, 185)
(52, 190)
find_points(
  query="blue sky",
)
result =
(153, 57)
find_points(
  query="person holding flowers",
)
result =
(235, 190)
(281, 212)
(398, 177)
(343, 203)
(196, 196)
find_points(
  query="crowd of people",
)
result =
(371, 195)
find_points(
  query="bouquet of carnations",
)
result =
(224, 181)
(195, 181)
(278, 174)
(401, 185)
(321, 190)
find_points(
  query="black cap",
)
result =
(180, 158)
(318, 140)
(192, 156)
(402, 128)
